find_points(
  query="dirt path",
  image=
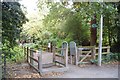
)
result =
(91, 71)
(84, 71)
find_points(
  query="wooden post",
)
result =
(27, 53)
(70, 59)
(24, 51)
(108, 49)
(40, 61)
(31, 55)
(93, 52)
(66, 57)
(54, 53)
(76, 57)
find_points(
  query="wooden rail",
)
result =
(105, 50)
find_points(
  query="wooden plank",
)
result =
(60, 63)
(34, 59)
(58, 55)
(103, 47)
(102, 53)
(85, 55)
(84, 52)
(86, 47)
(82, 62)
(33, 67)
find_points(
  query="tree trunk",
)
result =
(93, 31)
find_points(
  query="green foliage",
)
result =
(107, 58)
(77, 30)
(32, 45)
(17, 55)
(74, 23)
(12, 20)
(111, 57)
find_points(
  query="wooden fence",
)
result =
(42, 64)
(89, 51)
(30, 59)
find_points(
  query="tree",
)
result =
(73, 20)
(12, 20)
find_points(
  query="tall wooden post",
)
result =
(54, 53)
(27, 53)
(31, 55)
(40, 61)
(66, 57)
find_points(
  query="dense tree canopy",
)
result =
(74, 21)
(12, 20)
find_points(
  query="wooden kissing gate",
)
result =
(44, 62)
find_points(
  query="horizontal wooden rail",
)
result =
(108, 47)
(34, 67)
(59, 63)
(34, 59)
(105, 50)
(59, 55)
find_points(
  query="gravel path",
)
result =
(91, 71)
(84, 71)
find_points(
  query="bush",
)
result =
(17, 55)
(31, 45)
(112, 56)
(107, 58)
